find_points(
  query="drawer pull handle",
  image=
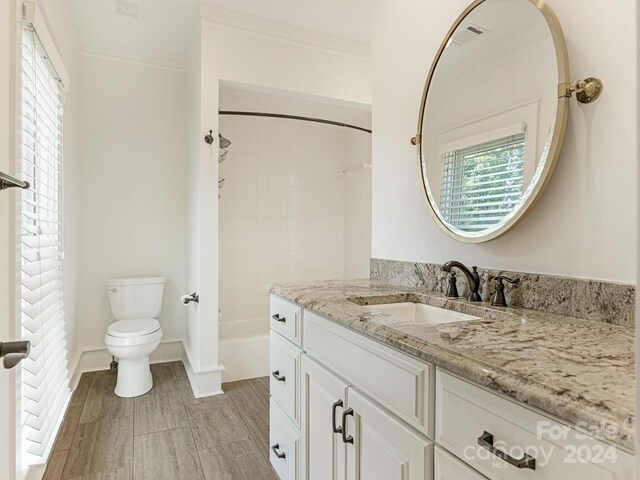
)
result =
(277, 376)
(346, 438)
(336, 429)
(278, 318)
(486, 441)
(278, 454)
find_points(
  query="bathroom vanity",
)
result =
(372, 381)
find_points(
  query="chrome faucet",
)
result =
(473, 279)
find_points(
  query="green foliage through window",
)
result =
(483, 183)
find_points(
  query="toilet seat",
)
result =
(133, 328)
(140, 331)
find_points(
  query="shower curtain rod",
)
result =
(292, 117)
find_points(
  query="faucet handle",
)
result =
(498, 296)
(452, 288)
(512, 281)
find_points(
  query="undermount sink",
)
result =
(421, 313)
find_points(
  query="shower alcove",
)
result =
(294, 205)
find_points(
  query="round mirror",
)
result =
(492, 119)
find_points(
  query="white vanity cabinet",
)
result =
(344, 407)
(448, 467)
(347, 436)
(284, 384)
(351, 408)
(507, 441)
(383, 447)
(285, 443)
(324, 398)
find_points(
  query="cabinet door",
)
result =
(323, 401)
(383, 448)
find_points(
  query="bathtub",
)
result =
(244, 348)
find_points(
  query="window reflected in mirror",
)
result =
(482, 183)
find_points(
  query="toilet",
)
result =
(135, 304)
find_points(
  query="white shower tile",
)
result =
(287, 212)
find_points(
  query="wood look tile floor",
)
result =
(165, 434)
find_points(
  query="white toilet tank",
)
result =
(132, 298)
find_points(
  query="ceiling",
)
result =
(161, 31)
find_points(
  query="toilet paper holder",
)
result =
(194, 297)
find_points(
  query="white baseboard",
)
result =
(34, 472)
(205, 382)
(95, 359)
(245, 358)
(241, 359)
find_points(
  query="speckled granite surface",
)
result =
(608, 302)
(578, 370)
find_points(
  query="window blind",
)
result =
(483, 183)
(45, 391)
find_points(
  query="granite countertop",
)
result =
(578, 370)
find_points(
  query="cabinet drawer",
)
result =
(286, 319)
(285, 372)
(284, 443)
(448, 467)
(466, 413)
(402, 384)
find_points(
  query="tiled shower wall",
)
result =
(288, 213)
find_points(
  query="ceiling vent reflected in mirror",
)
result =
(128, 8)
(467, 34)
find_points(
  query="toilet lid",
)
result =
(133, 328)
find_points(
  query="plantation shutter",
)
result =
(45, 391)
(483, 183)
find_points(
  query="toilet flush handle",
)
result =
(113, 290)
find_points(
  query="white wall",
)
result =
(194, 137)
(357, 204)
(585, 223)
(239, 56)
(133, 200)
(637, 325)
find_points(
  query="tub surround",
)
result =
(608, 302)
(578, 370)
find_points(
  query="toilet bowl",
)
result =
(136, 333)
(131, 342)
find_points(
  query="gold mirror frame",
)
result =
(562, 113)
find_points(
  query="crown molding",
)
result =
(283, 31)
(158, 59)
(231, 19)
